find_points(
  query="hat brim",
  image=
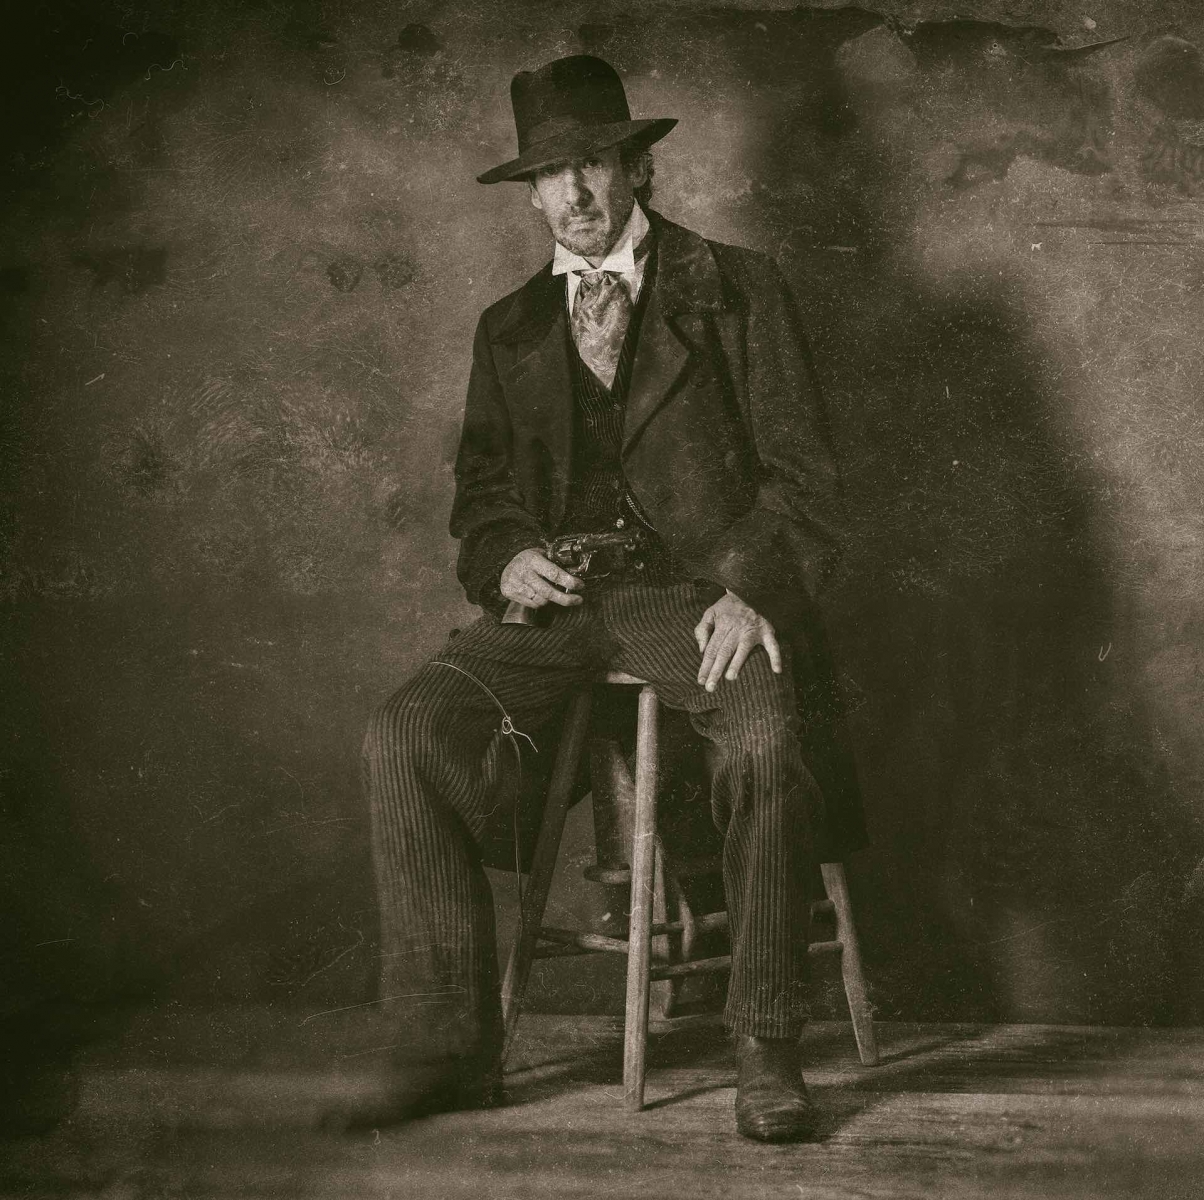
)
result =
(577, 143)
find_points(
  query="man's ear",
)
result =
(637, 171)
(535, 200)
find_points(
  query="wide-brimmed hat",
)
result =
(570, 108)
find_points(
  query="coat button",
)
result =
(620, 523)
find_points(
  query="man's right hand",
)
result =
(532, 579)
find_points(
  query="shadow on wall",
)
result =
(1028, 852)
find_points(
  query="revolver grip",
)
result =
(519, 614)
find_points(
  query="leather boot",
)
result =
(421, 1090)
(772, 1104)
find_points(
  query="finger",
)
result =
(743, 649)
(549, 570)
(770, 641)
(550, 593)
(714, 641)
(702, 631)
(516, 590)
(541, 587)
(534, 581)
(525, 597)
(722, 658)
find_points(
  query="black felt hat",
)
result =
(570, 108)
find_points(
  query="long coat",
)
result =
(725, 446)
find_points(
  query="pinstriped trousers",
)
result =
(431, 791)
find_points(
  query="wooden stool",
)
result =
(652, 885)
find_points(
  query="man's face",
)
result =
(586, 201)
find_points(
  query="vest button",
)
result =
(620, 523)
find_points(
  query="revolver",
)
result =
(574, 552)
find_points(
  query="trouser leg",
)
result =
(764, 800)
(763, 797)
(430, 796)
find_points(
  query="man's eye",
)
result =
(593, 162)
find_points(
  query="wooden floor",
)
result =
(224, 1104)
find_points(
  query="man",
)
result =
(651, 381)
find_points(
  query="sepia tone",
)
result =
(242, 255)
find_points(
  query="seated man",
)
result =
(653, 382)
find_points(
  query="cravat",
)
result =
(601, 314)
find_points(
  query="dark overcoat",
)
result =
(725, 445)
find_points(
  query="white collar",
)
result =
(621, 256)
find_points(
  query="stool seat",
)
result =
(622, 678)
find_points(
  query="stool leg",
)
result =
(543, 864)
(837, 888)
(680, 948)
(660, 949)
(643, 863)
(613, 792)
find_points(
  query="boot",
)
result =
(772, 1104)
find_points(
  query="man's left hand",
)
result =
(728, 633)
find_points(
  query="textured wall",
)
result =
(241, 258)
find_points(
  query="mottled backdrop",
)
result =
(241, 258)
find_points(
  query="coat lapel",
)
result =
(687, 284)
(538, 386)
(660, 358)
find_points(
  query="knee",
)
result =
(763, 774)
(406, 724)
(765, 738)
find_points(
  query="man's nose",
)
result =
(578, 189)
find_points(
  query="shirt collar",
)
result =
(621, 257)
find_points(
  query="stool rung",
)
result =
(704, 923)
(682, 868)
(583, 941)
(709, 966)
(555, 951)
(697, 966)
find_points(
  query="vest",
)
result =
(599, 497)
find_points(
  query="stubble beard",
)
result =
(588, 244)
(591, 242)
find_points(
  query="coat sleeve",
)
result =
(778, 556)
(488, 515)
